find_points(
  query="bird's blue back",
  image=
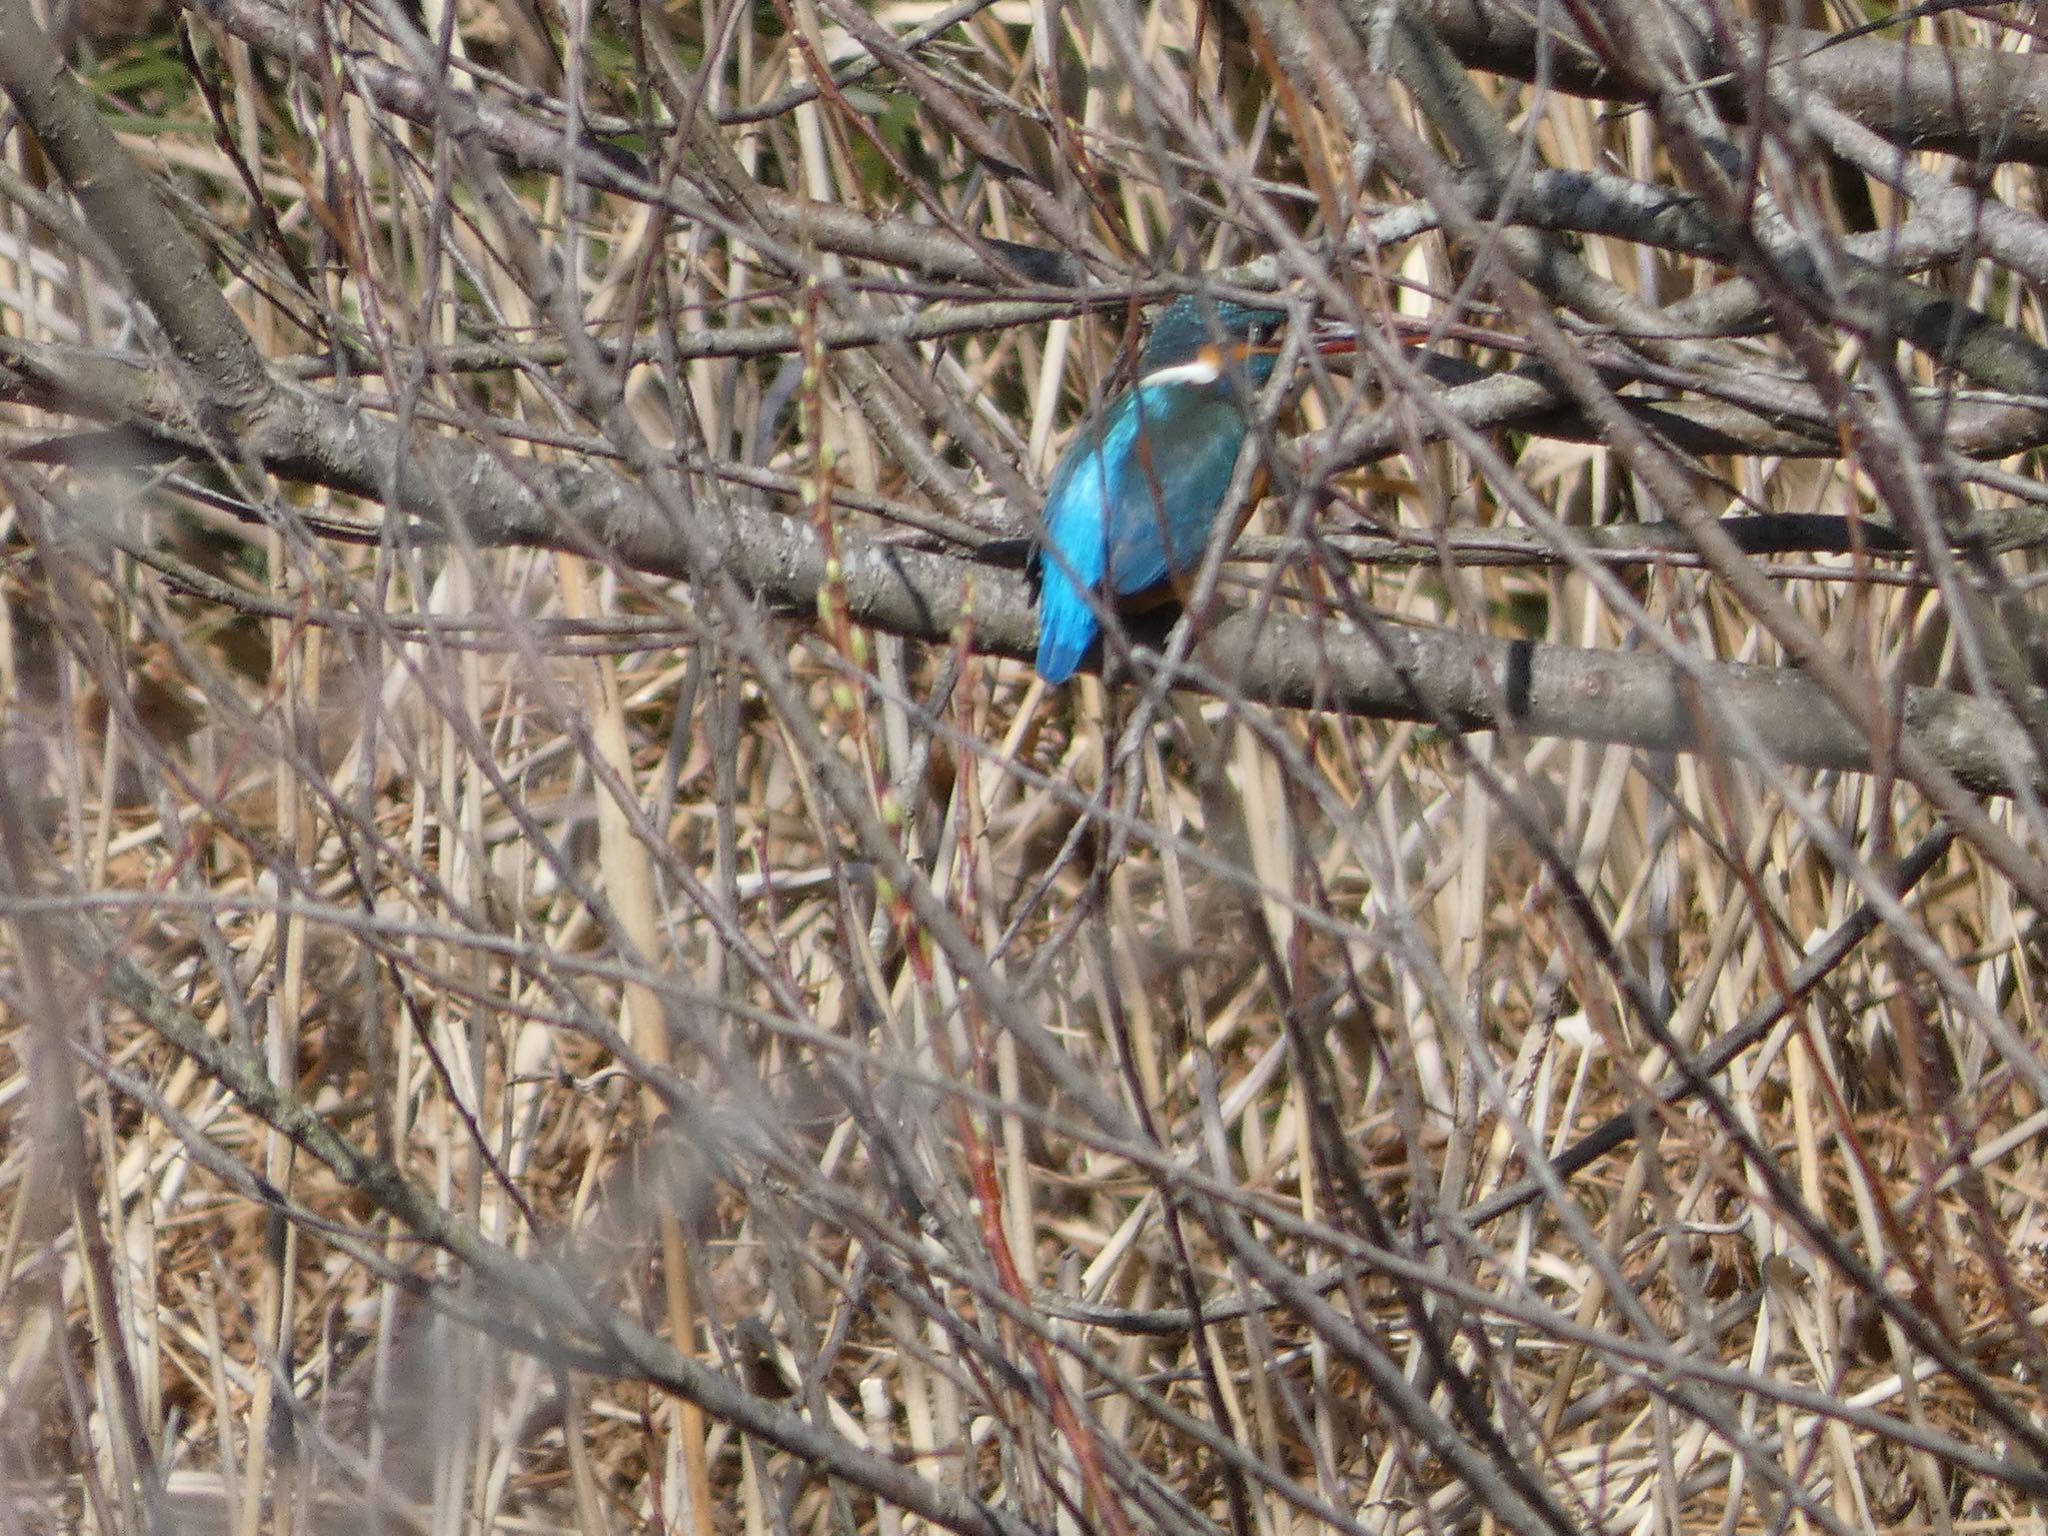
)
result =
(1134, 497)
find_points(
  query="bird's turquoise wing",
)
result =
(1132, 506)
(1084, 488)
(1172, 485)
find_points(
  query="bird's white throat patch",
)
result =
(1204, 369)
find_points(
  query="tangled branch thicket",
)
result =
(561, 973)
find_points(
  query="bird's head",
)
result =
(1198, 342)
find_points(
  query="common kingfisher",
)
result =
(1133, 498)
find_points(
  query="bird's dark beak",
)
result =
(1333, 338)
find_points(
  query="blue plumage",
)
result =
(1132, 501)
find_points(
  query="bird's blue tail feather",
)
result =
(1066, 626)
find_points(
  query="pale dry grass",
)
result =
(518, 873)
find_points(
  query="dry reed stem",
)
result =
(1064, 1109)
